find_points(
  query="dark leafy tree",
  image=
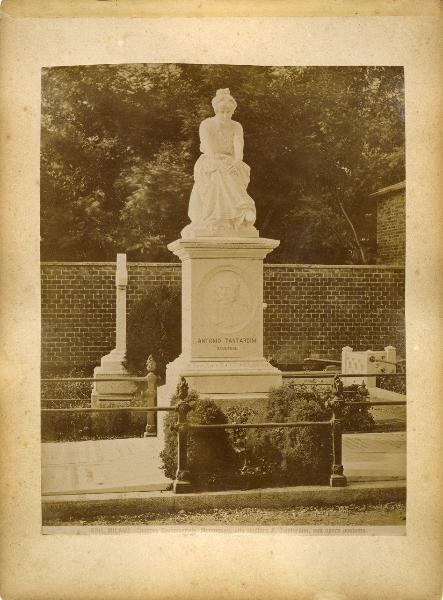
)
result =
(119, 143)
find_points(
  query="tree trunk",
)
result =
(354, 232)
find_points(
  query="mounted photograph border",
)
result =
(390, 565)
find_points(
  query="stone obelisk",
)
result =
(222, 272)
(115, 393)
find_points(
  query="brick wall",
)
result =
(316, 310)
(391, 227)
(78, 307)
(312, 309)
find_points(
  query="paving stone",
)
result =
(374, 456)
(102, 465)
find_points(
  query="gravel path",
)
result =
(384, 514)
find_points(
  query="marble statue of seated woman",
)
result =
(219, 204)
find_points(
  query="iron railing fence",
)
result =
(183, 480)
(332, 374)
(285, 375)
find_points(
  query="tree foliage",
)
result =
(153, 327)
(119, 143)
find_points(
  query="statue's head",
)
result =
(223, 102)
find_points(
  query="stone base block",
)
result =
(193, 231)
(182, 487)
(338, 481)
(111, 400)
(228, 384)
(208, 378)
(112, 393)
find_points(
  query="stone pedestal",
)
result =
(222, 318)
(115, 393)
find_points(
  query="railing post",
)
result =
(150, 396)
(182, 483)
(337, 478)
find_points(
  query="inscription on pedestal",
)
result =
(225, 343)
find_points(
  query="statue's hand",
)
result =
(233, 166)
(227, 163)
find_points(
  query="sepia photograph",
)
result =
(223, 298)
(221, 267)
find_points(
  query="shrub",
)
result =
(254, 457)
(299, 455)
(393, 384)
(358, 418)
(256, 468)
(78, 391)
(212, 460)
(154, 327)
(74, 427)
(249, 457)
(355, 419)
(169, 454)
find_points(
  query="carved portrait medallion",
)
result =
(227, 300)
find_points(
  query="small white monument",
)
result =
(367, 361)
(222, 272)
(115, 393)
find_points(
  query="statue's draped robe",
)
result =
(219, 198)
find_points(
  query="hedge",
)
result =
(154, 327)
(212, 459)
(240, 457)
(76, 427)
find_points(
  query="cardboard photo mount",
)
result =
(172, 564)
